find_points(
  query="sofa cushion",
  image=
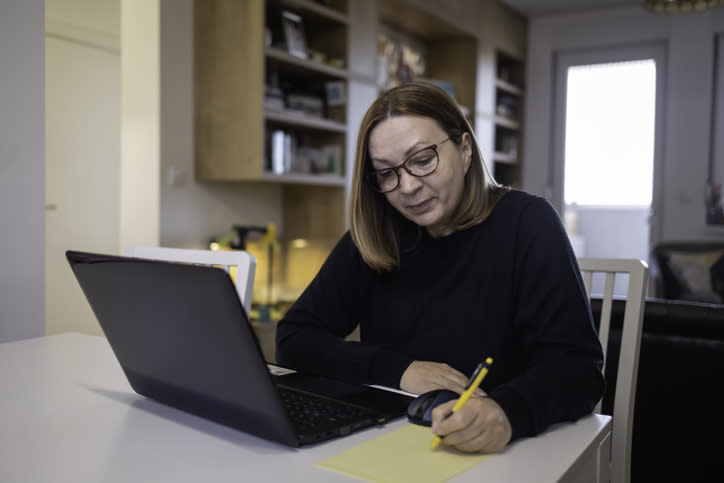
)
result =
(693, 271)
(683, 271)
(717, 276)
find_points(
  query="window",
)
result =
(609, 133)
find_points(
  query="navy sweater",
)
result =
(508, 288)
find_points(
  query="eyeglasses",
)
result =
(419, 164)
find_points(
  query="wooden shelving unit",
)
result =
(305, 179)
(451, 52)
(509, 76)
(289, 63)
(243, 52)
(335, 12)
(453, 55)
(302, 121)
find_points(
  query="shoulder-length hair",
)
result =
(374, 223)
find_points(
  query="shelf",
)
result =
(301, 120)
(315, 9)
(292, 62)
(306, 179)
(505, 158)
(508, 87)
(507, 123)
(508, 80)
(416, 21)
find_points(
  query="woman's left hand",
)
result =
(480, 425)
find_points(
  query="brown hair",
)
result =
(375, 224)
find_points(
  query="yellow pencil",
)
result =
(470, 388)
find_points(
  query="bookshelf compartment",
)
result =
(508, 118)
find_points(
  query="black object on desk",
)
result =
(183, 338)
(420, 409)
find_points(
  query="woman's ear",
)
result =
(466, 149)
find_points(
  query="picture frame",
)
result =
(335, 93)
(331, 159)
(293, 27)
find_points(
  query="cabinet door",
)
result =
(229, 89)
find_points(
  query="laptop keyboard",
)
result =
(323, 417)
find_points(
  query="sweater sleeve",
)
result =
(311, 335)
(562, 378)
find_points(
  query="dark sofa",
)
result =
(678, 433)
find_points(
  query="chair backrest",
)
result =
(244, 262)
(628, 363)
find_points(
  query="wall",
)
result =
(140, 122)
(191, 212)
(688, 93)
(22, 158)
(162, 203)
(602, 238)
(82, 138)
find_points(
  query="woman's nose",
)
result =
(408, 183)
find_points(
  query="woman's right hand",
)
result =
(424, 376)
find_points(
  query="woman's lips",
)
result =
(420, 207)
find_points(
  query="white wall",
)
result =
(140, 122)
(604, 239)
(84, 138)
(82, 116)
(191, 212)
(689, 41)
(22, 181)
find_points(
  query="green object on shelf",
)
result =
(263, 311)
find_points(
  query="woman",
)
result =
(441, 268)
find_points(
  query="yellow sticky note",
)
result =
(402, 455)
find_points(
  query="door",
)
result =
(82, 170)
(606, 173)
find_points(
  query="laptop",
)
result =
(182, 338)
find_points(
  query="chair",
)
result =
(625, 392)
(244, 262)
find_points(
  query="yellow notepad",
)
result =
(402, 455)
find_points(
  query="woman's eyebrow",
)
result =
(411, 150)
(385, 162)
(416, 147)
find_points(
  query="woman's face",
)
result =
(429, 201)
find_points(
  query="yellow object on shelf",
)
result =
(303, 259)
(284, 268)
(269, 275)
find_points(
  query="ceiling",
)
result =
(533, 8)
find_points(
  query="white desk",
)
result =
(67, 414)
